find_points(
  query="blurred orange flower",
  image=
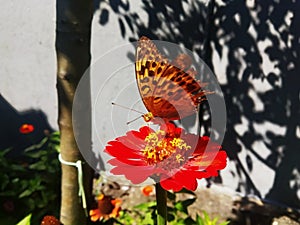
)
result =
(108, 207)
(148, 190)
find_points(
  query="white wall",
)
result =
(28, 62)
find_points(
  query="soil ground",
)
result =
(220, 202)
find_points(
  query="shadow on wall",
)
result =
(247, 35)
(11, 121)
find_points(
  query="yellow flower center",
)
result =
(161, 146)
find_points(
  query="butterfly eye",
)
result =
(148, 116)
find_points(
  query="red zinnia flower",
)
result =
(26, 128)
(170, 156)
(108, 207)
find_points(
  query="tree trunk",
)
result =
(73, 32)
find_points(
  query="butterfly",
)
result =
(169, 90)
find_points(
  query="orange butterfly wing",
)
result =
(166, 89)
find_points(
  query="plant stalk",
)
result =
(161, 204)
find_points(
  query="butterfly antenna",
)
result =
(124, 107)
(129, 122)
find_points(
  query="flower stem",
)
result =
(161, 204)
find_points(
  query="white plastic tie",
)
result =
(81, 193)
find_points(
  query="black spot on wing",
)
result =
(159, 70)
(142, 71)
(191, 87)
(182, 83)
(151, 73)
(178, 79)
(147, 64)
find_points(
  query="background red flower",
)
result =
(26, 128)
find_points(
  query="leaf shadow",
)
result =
(259, 45)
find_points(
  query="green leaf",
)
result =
(25, 193)
(37, 146)
(178, 222)
(224, 223)
(35, 154)
(55, 137)
(171, 196)
(17, 168)
(215, 221)
(148, 219)
(206, 217)
(206, 220)
(4, 180)
(25, 221)
(190, 221)
(170, 216)
(3, 152)
(199, 220)
(182, 205)
(189, 202)
(187, 192)
(145, 206)
(57, 148)
(40, 165)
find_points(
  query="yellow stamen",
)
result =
(159, 147)
(179, 158)
(179, 143)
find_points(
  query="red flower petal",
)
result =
(211, 160)
(128, 162)
(118, 150)
(170, 184)
(182, 179)
(133, 173)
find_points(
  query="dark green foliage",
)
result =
(30, 184)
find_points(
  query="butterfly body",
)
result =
(169, 90)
